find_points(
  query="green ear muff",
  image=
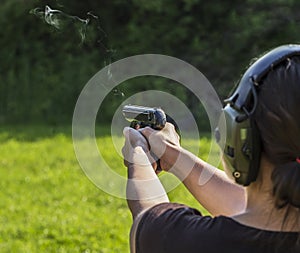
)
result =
(242, 150)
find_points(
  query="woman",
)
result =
(259, 212)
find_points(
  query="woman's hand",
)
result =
(160, 141)
(136, 143)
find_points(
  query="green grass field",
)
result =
(47, 204)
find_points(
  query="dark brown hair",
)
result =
(278, 120)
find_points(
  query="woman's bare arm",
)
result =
(144, 189)
(209, 185)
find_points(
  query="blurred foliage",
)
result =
(43, 69)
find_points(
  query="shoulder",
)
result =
(171, 227)
(178, 228)
(182, 215)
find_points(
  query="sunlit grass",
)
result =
(47, 202)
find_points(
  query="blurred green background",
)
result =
(43, 69)
(47, 204)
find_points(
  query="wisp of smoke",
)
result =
(62, 21)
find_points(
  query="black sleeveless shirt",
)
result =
(174, 228)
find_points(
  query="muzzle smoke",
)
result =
(88, 29)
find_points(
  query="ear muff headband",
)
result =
(243, 146)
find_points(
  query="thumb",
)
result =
(126, 132)
(146, 131)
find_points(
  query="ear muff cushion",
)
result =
(252, 150)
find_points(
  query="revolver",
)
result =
(154, 117)
(141, 116)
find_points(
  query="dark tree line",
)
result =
(43, 69)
